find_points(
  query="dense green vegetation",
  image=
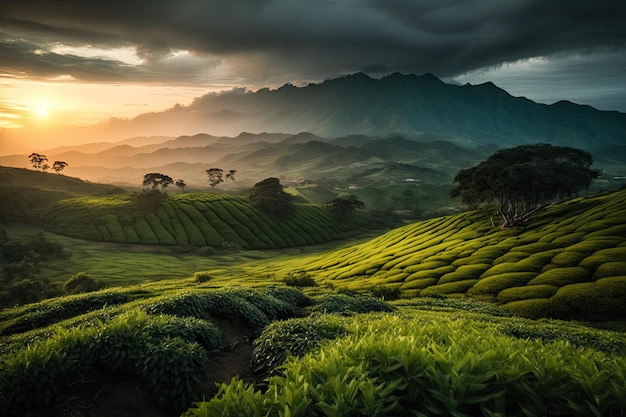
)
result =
(568, 262)
(314, 354)
(198, 219)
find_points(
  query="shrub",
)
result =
(610, 269)
(602, 256)
(201, 277)
(562, 276)
(386, 292)
(492, 285)
(568, 258)
(295, 337)
(349, 304)
(82, 282)
(599, 300)
(526, 292)
(206, 251)
(458, 287)
(419, 283)
(533, 308)
(464, 272)
(299, 279)
(231, 247)
(171, 369)
(511, 257)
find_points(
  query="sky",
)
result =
(84, 62)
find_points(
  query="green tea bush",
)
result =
(458, 287)
(610, 269)
(493, 284)
(526, 292)
(464, 272)
(568, 258)
(299, 279)
(201, 277)
(171, 370)
(501, 268)
(602, 256)
(533, 308)
(562, 276)
(220, 303)
(599, 300)
(55, 310)
(386, 292)
(511, 257)
(289, 295)
(432, 365)
(348, 304)
(82, 282)
(418, 283)
(294, 337)
(273, 307)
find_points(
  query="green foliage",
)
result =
(493, 284)
(171, 369)
(599, 300)
(523, 179)
(386, 292)
(148, 201)
(533, 308)
(526, 292)
(294, 337)
(435, 365)
(610, 269)
(201, 277)
(299, 279)
(562, 276)
(82, 282)
(269, 197)
(348, 304)
(343, 206)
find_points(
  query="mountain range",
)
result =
(353, 127)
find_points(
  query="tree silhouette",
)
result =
(215, 176)
(154, 179)
(38, 160)
(522, 180)
(181, 184)
(59, 166)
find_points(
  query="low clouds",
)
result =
(269, 42)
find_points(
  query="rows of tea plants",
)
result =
(198, 219)
(423, 362)
(164, 340)
(567, 262)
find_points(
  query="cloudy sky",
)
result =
(81, 62)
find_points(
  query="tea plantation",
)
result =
(568, 262)
(198, 219)
(461, 340)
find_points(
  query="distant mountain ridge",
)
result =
(400, 104)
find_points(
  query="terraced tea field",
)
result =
(198, 219)
(569, 261)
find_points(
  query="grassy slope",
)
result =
(569, 261)
(198, 219)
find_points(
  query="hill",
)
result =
(396, 104)
(198, 219)
(26, 193)
(569, 261)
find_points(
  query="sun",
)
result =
(41, 111)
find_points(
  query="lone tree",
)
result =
(521, 181)
(59, 166)
(216, 176)
(38, 160)
(268, 196)
(181, 184)
(343, 206)
(155, 180)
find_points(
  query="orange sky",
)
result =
(69, 63)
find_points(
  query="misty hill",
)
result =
(395, 104)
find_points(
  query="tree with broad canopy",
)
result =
(268, 196)
(154, 179)
(343, 206)
(521, 181)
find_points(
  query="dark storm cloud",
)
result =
(309, 39)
